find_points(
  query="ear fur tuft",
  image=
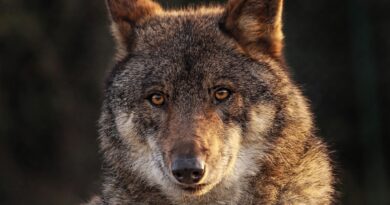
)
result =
(125, 14)
(256, 25)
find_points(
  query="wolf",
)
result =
(200, 109)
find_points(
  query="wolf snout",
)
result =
(188, 170)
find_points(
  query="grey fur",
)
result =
(268, 152)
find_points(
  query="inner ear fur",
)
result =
(256, 25)
(125, 14)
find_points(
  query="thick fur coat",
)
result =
(212, 83)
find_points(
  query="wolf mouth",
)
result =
(194, 189)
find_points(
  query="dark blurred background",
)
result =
(54, 56)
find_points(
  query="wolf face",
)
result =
(197, 96)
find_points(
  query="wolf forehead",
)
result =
(190, 52)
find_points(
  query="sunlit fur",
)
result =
(258, 144)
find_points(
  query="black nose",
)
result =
(188, 170)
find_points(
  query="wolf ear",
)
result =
(256, 25)
(125, 14)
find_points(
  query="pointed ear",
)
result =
(256, 25)
(125, 14)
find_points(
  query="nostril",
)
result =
(197, 174)
(178, 175)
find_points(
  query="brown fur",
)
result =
(258, 146)
(257, 25)
(125, 14)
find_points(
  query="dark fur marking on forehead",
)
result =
(187, 57)
(188, 62)
(149, 80)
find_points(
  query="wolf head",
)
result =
(197, 96)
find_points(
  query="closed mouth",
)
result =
(194, 189)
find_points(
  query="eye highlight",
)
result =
(222, 94)
(157, 99)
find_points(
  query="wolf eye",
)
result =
(222, 94)
(157, 99)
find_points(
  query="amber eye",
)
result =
(157, 99)
(222, 94)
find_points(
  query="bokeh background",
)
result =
(54, 56)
